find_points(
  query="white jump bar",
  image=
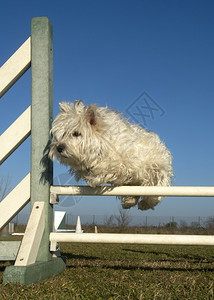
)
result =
(172, 191)
(114, 238)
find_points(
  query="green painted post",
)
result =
(41, 117)
(41, 167)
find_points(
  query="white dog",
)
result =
(101, 147)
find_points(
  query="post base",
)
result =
(35, 272)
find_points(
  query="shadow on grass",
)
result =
(109, 264)
(2, 268)
(143, 268)
(147, 252)
(192, 258)
(74, 256)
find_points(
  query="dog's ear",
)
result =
(91, 115)
(64, 106)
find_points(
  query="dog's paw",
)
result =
(129, 201)
(149, 202)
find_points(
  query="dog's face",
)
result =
(76, 131)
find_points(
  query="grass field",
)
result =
(97, 271)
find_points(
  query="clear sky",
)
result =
(110, 53)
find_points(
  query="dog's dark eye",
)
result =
(76, 133)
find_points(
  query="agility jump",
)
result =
(36, 259)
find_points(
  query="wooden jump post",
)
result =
(35, 261)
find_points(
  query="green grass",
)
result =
(97, 271)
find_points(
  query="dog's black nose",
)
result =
(60, 148)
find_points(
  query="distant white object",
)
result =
(78, 226)
(59, 220)
(60, 223)
(11, 228)
(18, 233)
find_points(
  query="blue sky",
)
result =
(110, 53)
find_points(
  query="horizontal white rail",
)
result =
(132, 238)
(15, 67)
(15, 135)
(175, 191)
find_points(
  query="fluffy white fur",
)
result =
(101, 147)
